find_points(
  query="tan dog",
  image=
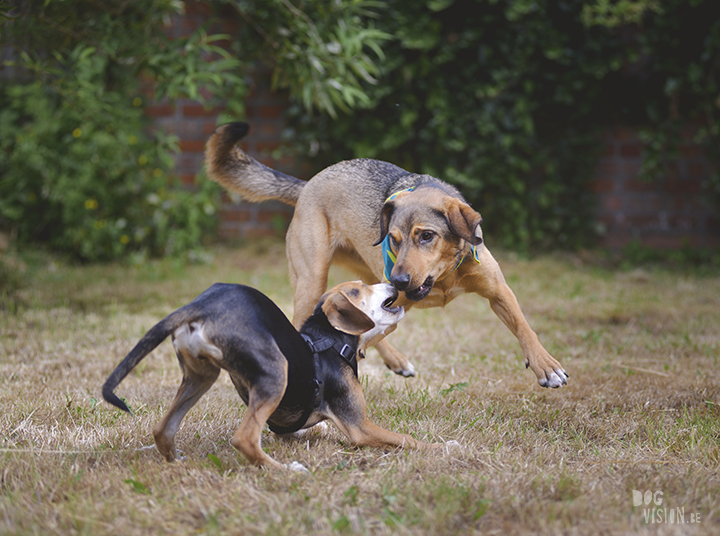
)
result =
(346, 211)
(288, 379)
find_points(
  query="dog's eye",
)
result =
(426, 236)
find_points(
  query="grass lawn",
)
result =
(641, 412)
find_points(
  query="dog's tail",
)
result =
(157, 334)
(228, 165)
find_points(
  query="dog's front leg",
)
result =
(547, 369)
(394, 360)
(349, 413)
(486, 279)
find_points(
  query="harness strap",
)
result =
(316, 347)
(344, 350)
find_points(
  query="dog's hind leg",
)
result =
(310, 254)
(194, 385)
(264, 399)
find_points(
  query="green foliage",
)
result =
(505, 98)
(615, 14)
(78, 169)
(82, 176)
(322, 51)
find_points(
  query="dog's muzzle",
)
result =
(420, 292)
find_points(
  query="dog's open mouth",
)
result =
(421, 292)
(387, 304)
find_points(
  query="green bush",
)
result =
(81, 175)
(79, 171)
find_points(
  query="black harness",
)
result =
(317, 347)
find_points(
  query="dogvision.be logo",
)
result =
(654, 512)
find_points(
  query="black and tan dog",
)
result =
(288, 379)
(432, 247)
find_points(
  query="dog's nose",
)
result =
(400, 281)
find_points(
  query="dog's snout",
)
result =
(400, 281)
(394, 294)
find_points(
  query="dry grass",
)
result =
(640, 413)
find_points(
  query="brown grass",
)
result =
(640, 413)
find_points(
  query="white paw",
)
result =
(406, 372)
(319, 428)
(297, 467)
(556, 379)
(452, 445)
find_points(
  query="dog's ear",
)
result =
(385, 216)
(464, 221)
(345, 316)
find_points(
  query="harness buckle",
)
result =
(346, 352)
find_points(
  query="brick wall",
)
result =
(667, 213)
(193, 124)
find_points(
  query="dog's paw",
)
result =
(297, 467)
(548, 370)
(557, 378)
(319, 428)
(451, 445)
(407, 371)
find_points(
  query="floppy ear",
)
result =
(345, 316)
(465, 222)
(385, 216)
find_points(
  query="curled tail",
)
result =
(228, 165)
(157, 334)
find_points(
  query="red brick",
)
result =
(683, 185)
(270, 130)
(235, 214)
(683, 222)
(259, 232)
(269, 216)
(192, 146)
(635, 185)
(631, 169)
(661, 240)
(197, 110)
(602, 185)
(608, 150)
(270, 112)
(691, 151)
(229, 232)
(697, 169)
(646, 203)
(266, 146)
(607, 168)
(616, 240)
(187, 178)
(612, 203)
(208, 128)
(160, 110)
(198, 8)
(622, 133)
(631, 149)
(191, 24)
